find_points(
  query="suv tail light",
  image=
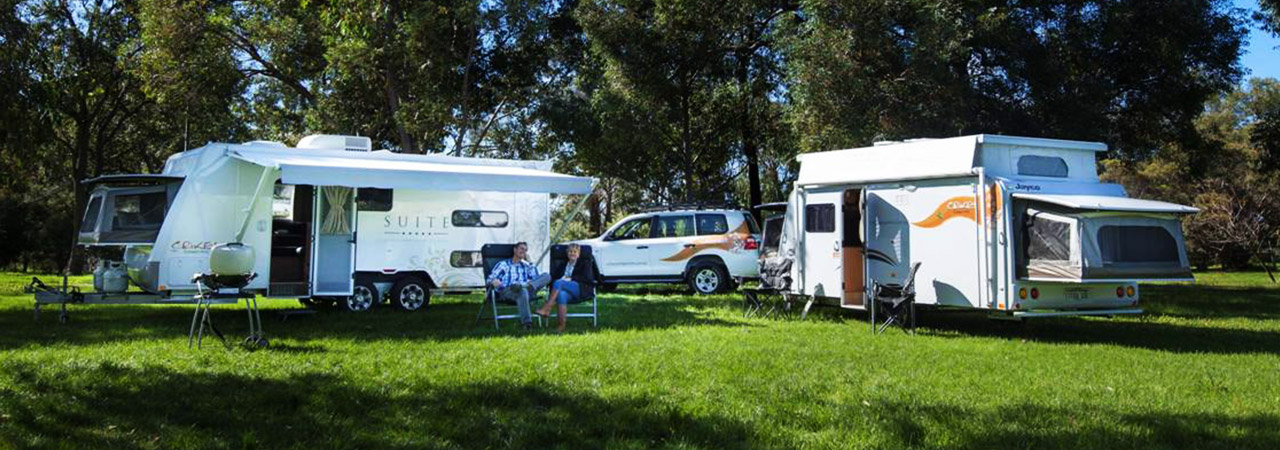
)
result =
(751, 243)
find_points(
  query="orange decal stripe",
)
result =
(951, 208)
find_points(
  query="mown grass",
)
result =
(664, 369)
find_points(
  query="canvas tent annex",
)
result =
(1018, 226)
(330, 220)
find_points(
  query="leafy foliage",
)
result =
(663, 100)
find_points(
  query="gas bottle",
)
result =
(97, 275)
(115, 280)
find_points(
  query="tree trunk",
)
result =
(593, 209)
(747, 129)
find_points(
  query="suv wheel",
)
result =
(411, 294)
(708, 278)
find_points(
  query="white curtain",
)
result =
(336, 220)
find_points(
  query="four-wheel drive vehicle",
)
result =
(709, 249)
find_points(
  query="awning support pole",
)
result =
(565, 225)
(248, 210)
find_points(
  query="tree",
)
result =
(1237, 194)
(1091, 70)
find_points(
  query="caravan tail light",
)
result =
(1119, 291)
(751, 243)
(1130, 291)
(1035, 293)
(1022, 293)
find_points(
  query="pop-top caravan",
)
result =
(330, 220)
(1021, 227)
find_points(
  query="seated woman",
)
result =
(577, 282)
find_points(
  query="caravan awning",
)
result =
(394, 171)
(1108, 203)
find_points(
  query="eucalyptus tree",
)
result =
(1113, 71)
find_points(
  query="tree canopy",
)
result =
(664, 100)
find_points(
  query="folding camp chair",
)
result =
(559, 259)
(491, 254)
(898, 302)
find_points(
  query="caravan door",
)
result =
(823, 269)
(333, 256)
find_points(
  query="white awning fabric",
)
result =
(387, 170)
(1108, 203)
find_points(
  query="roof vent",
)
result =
(884, 143)
(337, 142)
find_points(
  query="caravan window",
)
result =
(674, 226)
(1137, 244)
(480, 219)
(373, 199)
(90, 221)
(1042, 166)
(141, 211)
(820, 218)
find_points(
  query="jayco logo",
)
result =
(1025, 187)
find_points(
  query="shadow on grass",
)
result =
(448, 318)
(1126, 333)
(907, 425)
(1212, 301)
(116, 406)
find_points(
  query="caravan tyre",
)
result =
(411, 294)
(363, 297)
(708, 278)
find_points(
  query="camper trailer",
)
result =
(1021, 227)
(329, 221)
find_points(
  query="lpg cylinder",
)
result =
(97, 275)
(115, 280)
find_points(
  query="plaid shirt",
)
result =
(510, 273)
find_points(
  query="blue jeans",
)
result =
(568, 291)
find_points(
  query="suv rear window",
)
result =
(712, 224)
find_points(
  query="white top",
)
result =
(1108, 203)
(388, 170)
(938, 158)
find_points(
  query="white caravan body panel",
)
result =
(1018, 225)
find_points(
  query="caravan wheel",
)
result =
(411, 294)
(363, 297)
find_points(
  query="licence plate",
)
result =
(1077, 293)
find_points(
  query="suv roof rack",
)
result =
(686, 206)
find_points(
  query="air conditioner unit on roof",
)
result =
(337, 142)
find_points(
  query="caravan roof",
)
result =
(928, 158)
(387, 170)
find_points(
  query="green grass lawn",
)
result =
(664, 369)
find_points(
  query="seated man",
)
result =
(517, 280)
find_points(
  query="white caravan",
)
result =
(1021, 227)
(329, 220)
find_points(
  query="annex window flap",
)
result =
(1134, 246)
(1049, 245)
